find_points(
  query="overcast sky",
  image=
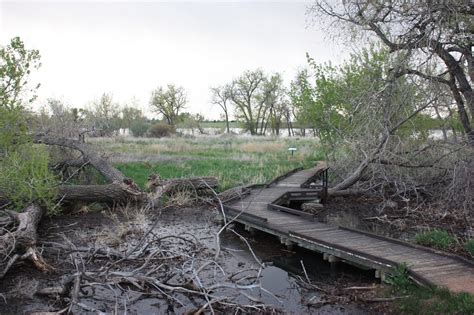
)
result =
(129, 48)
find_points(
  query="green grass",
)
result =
(233, 160)
(435, 301)
(469, 247)
(436, 239)
(427, 300)
(229, 172)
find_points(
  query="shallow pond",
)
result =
(280, 278)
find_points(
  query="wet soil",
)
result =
(281, 277)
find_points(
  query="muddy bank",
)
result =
(269, 280)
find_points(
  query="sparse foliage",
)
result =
(221, 96)
(255, 96)
(104, 116)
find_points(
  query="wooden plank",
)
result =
(436, 267)
(315, 229)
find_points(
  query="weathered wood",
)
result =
(20, 244)
(365, 249)
(108, 193)
(312, 207)
(233, 193)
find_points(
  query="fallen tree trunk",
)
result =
(123, 192)
(115, 192)
(110, 173)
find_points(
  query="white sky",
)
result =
(129, 48)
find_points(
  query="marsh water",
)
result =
(280, 277)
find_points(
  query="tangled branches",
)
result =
(176, 271)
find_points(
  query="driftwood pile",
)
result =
(18, 231)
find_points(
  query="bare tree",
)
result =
(221, 96)
(430, 32)
(61, 120)
(169, 102)
(104, 115)
(257, 98)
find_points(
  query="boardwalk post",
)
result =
(250, 229)
(380, 274)
(289, 244)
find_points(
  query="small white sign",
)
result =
(292, 149)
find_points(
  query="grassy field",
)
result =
(234, 160)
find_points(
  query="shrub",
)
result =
(139, 128)
(25, 177)
(399, 278)
(469, 247)
(436, 239)
(161, 130)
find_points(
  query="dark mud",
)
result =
(281, 277)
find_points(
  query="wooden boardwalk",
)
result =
(262, 209)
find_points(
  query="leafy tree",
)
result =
(168, 102)
(301, 95)
(130, 115)
(355, 96)
(16, 63)
(431, 34)
(24, 174)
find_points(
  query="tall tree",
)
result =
(168, 102)
(24, 173)
(253, 93)
(276, 103)
(429, 32)
(221, 96)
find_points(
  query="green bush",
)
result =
(24, 173)
(436, 239)
(469, 247)
(160, 130)
(399, 278)
(139, 128)
(25, 177)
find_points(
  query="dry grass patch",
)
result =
(261, 147)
